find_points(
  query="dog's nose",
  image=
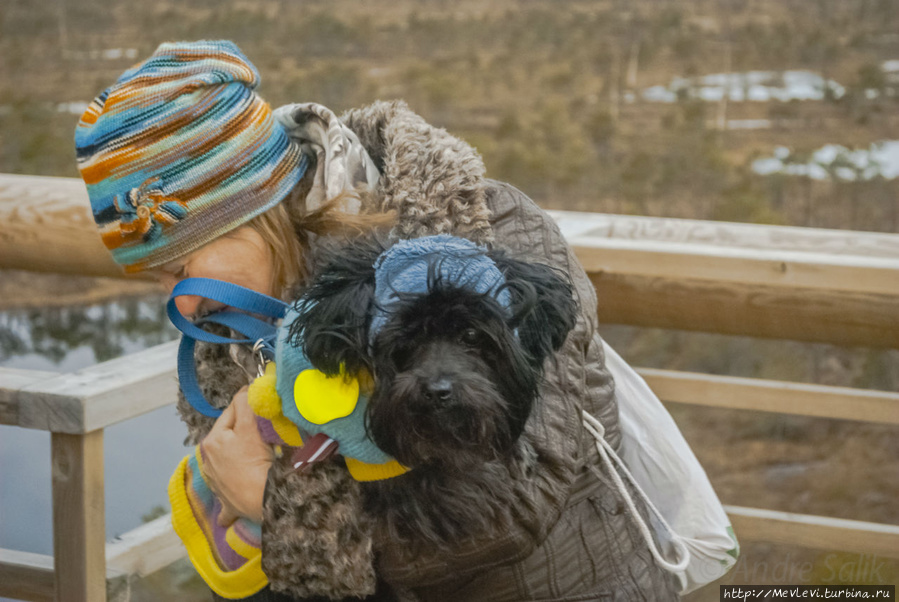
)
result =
(440, 389)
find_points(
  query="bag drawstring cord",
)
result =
(597, 430)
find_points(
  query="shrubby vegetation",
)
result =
(549, 92)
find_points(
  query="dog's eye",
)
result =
(469, 336)
(400, 358)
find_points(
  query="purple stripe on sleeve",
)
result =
(231, 559)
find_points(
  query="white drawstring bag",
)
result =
(685, 513)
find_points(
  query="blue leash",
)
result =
(255, 330)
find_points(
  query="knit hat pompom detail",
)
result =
(181, 150)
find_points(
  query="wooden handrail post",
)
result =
(79, 529)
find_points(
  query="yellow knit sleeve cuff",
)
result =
(239, 583)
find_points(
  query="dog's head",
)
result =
(454, 335)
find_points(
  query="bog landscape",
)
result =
(782, 112)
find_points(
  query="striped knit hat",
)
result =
(181, 150)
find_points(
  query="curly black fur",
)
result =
(450, 369)
(333, 324)
(542, 302)
(456, 377)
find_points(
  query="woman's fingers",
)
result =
(227, 420)
(236, 462)
(227, 516)
(244, 416)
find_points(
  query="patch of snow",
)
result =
(74, 108)
(748, 124)
(881, 159)
(827, 154)
(748, 86)
(109, 54)
(659, 94)
(768, 166)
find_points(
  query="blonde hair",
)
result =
(286, 229)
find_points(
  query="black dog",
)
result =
(456, 374)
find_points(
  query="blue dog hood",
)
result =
(404, 268)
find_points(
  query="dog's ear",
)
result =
(332, 325)
(543, 305)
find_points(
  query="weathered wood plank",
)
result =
(11, 380)
(819, 532)
(101, 395)
(27, 576)
(141, 551)
(146, 549)
(834, 317)
(773, 396)
(130, 386)
(756, 267)
(47, 227)
(79, 530)
(574, 224)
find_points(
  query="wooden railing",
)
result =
(763, 281)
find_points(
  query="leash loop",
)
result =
(261, 333)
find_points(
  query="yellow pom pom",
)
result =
(263, 395)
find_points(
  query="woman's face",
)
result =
(239, 257)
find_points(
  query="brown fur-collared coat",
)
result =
(566, 536)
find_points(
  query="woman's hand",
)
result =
(236, 462)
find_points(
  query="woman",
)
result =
(190, 175)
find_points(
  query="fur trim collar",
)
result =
(433, 180)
